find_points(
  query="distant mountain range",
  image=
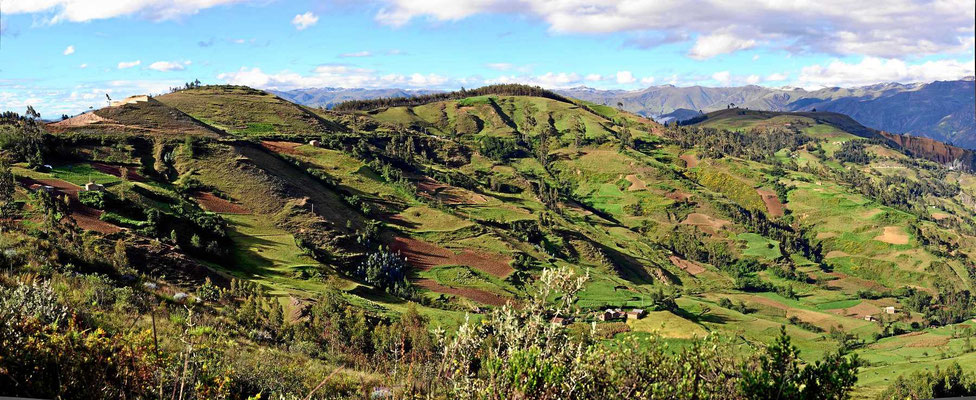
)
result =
(942, 110)
(328, 97)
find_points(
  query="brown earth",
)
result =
(939, 216)
(773, 205)
(425, 255)
(478, 295)
(635, 183)
(281, 147)
(893, 235)
(448, 194)
(81, 120)
(212, 203)
(678, 196)
(836, 254)
(706, 223)
(688, 266)
(691, 161)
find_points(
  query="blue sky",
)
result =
(63, 56)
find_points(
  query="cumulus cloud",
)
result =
(83, 66)
(723, 77)
(547, 80)
(129, 64)
(303, 21)
(776, 77)
(841, 27)
(168, 66)
(625, 77)
(753, 79)
(647, 80)
(709, 46)
(83, 11)
(872, 70)
(331, 75)
(69, 50)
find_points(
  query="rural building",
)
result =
(561, 321)
(870, 318)
(94, 187)
(611, 315)
(890, 310)
(636, 313)
(313, 143)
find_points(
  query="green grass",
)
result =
(759, 246)
(80, 174)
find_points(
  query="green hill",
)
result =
(244, 111)
(445, 207)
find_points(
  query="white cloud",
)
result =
(776, 77)
(752, 79)
(302, 21)
(625, 77)
(82, 11)
(840, 27)
(723, 77)
(647, 80)
(356, 54)
(168, 66)
(129, 64)
(69, 50)
(331, 75)
(723, 43)
(593, 78)
(755, 57)
(83, 66)
(547, 80)
(871, 70)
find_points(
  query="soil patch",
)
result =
(691, 161)
(281, 147)
(706, 223)
(426, 255)
(688, 266)
(212, 203)
(893, 235)
(478, 295)
(635, 183)
(448, 194)
(836, 254)
(939, 216)
(87, 118)
(678, 196)
(773, 205)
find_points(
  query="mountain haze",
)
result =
(941, 110)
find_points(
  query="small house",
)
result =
(611, 315)
(561, 321)
(313, 143)
(870, 318)
(94, 187)
(636, 314)
(890, 310)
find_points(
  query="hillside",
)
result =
(939, 110)
(244, 111)
(338, 242)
